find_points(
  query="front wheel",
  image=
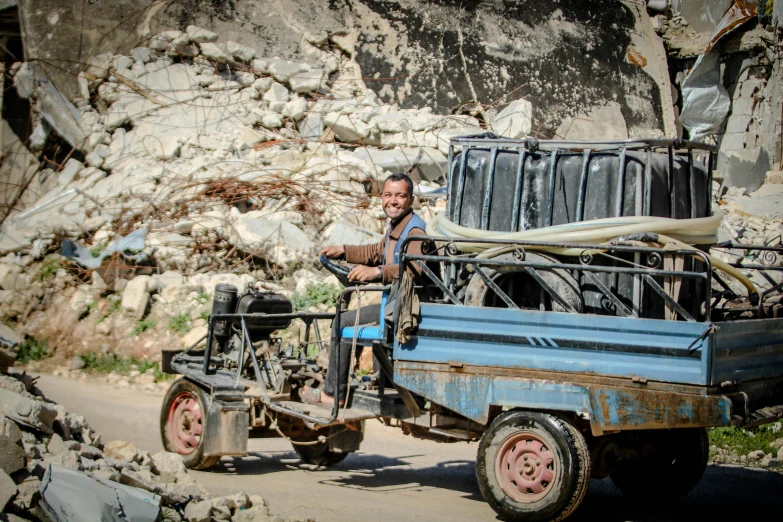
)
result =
(182, 420)
(532, 466)
(673, 463)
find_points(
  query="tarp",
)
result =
(133, 242)
(68, 495)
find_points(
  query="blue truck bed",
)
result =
(623, 373)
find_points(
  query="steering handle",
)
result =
(339, 271)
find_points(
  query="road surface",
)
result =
(396, 478)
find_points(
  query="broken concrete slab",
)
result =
(70, 495)
(515, 120)
(746, 168)
(36, 414)
(135, 299)
(430, 163)
(278, 241)
(601, 123)
(12, 453)
(199, 35)
(198, 511)
(7, 489)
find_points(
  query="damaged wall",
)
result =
(567, 58)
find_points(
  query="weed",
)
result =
(107, 363)
(205, 314)
(180, 323)
(32, 350)
(315, 294)
(203, 297)
(97, 248)
(115, 305)
(743, 441)
(142, 326)
(49, 268)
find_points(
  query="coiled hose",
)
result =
(681, 233)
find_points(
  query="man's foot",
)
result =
(315, 396)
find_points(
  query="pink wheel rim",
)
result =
(185, 423)
(525, 467)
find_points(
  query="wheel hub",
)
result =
(185, 423)
(525, 467)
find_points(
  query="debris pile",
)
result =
(51, 460)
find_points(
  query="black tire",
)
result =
(319, 455)
(671, 467)
(564, 453)
(523, 289)
(182, 423)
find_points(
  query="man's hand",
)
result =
(332, 252)
(364, 274)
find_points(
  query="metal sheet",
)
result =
(612, 346)
(610, 404)
(747, 350)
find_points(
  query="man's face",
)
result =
(395, 199)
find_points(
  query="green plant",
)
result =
(743, 441)
(49, 267)
(142, 326)
(97, 248)
(107, 363)
(180, 323)
(203, 297)
(115, 305)
(32, 350)
(205, 314)
(315, 294)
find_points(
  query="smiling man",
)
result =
(378, 262)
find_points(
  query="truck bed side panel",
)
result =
(747, 351)
(615, 346)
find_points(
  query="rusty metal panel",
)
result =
(226, 428)
(611, 404)
(642, 409)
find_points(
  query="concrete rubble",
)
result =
(50, 445)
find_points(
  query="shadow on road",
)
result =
(725, 493)
(365, 471)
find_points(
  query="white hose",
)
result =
(681, 232)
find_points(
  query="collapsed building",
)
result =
(166, 147)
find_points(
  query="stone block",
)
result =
(277, 241)
(123, 451)
(276, 93)
(737, 123)
(283, 70)
(39, 415)
(312, 127)
(214, 52)
(515, 120)
(348, 128)
(732, 141)
(28, 494)
(167, 462)
(743, 106)
(198, 35)
(8, 275)
(7, 489)
(198, 511)
(190, 338)
(241, 53)
(12, 452)
(263, 84)
(253, 514)
(307, 81)
(744, 168)
(295, 108)
(135, 299)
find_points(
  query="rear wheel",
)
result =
(673, 463)
(182, 422)
(533, 467)
(347, 436)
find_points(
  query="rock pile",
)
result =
(36, 433)
(216, 150)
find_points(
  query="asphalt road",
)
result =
(397, 478)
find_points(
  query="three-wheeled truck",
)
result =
(565, 354)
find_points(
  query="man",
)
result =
(378, 263)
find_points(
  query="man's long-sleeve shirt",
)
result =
(372, 255)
